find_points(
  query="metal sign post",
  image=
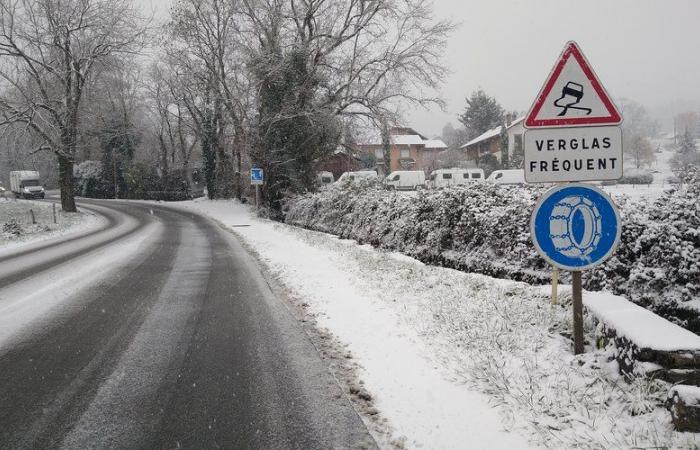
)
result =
(575, 227)
(577, 298)
(257, 179)
(572, 135)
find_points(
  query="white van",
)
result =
(454, 177)
(324, 178)
(358, 175)
(514, 176)
(405, 180)
(26, 184)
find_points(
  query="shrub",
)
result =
(637, 178)
(12, 228)
(90, 181)
(484, 228)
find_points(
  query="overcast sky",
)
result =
(645, 50)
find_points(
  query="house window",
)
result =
(405, 153)
(379, 153)
(446, 176)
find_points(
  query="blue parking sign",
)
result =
(256, 176)
(575, 226)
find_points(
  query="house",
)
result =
(490, 142)
(342, 160)
(408, 150)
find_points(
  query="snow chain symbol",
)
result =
(575, 226)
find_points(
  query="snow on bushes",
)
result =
(479, 228)
(484, 228)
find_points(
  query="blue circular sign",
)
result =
(575, 226)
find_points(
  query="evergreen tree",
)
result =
(481, 114)
(295, 133)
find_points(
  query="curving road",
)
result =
(157, 331)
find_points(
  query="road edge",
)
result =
(339, 362)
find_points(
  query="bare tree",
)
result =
(49, 49)
(344, 58)
(173, 125)
(207, 32)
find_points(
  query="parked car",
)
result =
(26, 184)
(406, 180)
(357, 175)
(454, 177)
(514, 176)
(324, 178)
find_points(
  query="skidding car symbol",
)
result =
(571, 95)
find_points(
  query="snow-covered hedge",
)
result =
(484, 228)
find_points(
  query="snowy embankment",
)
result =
(17, 229)
(484, 229)
(456, 360)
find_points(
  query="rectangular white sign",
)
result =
(573, 154)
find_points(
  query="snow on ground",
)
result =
(24, 232)
(453, 360)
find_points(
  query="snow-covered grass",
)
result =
(452, 359)
(16, 228)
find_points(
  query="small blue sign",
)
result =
(575, 226)
(256, 176)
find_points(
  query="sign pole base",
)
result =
(555, 284)
(578, 312)
(257, 196)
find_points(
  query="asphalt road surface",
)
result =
(157, 331)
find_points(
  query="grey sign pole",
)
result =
(578, 312)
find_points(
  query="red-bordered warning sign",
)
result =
(572, 96)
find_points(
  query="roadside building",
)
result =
(342, 160)
(408, 149)
(489, 143)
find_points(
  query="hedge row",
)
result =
(484, 228)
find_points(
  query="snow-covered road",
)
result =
(158, 331)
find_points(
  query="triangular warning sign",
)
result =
(572, 96)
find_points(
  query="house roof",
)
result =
(406, 139)
(491, 133)
(409, 136)
(416, 139)
(435, 144)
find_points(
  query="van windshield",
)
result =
(26, 183)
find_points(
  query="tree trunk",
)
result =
(65, 179)
(238, 140)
